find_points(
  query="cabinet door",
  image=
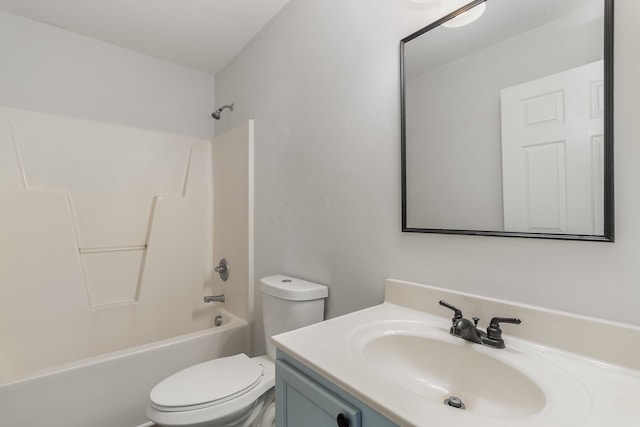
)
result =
(301, 402)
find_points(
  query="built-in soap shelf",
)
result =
(112, 249)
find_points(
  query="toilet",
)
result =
(238, 391)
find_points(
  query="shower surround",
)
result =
(107, 238)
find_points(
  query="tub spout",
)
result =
(215, 298)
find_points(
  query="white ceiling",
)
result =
(502, 20)
(199, 34)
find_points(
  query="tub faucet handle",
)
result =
(223, 269)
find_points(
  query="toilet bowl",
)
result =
(238, 391)
(233, 391)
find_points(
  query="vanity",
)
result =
(397, 364)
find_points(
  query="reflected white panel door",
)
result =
(552, 153)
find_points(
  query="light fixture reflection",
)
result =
(467, 17)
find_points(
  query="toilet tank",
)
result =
(289, 303)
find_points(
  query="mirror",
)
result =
(507, 122)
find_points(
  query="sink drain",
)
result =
(454, 402)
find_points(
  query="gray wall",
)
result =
(322, 82)
(49, 69)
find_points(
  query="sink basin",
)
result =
(436, 370)
(423, 359)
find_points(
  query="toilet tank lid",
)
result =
(291, 288)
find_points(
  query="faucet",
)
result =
(467, 330)
(215, 298)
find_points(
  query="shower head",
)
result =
(216, 114)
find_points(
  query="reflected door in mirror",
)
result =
(552, 145)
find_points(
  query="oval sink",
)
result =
(516, 384)
(436, 369)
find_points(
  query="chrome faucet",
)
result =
(467, 330)
(215, 298)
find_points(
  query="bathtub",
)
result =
(111, 390)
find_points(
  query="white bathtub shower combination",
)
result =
(112, 390)
(107, 249)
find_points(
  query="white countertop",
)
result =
(602, 394)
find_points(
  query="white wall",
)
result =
(48, 69)
(322, 82)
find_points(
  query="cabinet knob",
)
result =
(342, 420)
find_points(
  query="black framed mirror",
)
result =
(507, 121)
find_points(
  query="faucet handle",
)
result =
(493, 337)
(457, 313)
(496, 320)
(494, 331)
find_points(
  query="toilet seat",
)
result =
(234, 401)
(206, 384)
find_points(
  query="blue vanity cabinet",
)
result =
(306, 399)
(301, 401)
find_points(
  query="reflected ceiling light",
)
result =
(467, 17)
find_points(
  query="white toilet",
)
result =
(237, 391)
